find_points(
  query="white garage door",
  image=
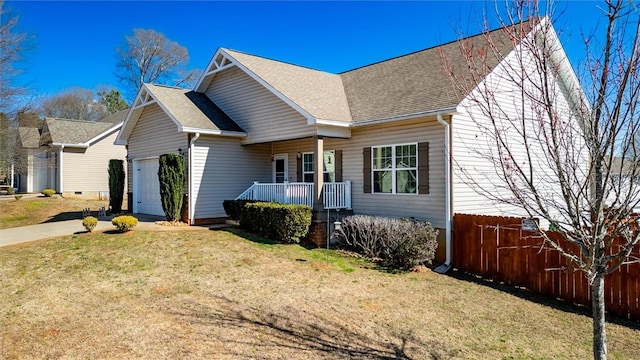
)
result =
(148, 188)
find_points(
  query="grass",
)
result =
(209, 294)
(30, 211)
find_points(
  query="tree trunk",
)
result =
(597, 305)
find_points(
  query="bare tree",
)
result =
(13, 45)
(553, 149)
(75, 103)
(149, 57)
(12, 48)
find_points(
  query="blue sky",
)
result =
(75, 42)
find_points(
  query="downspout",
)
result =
(447, 194)
(191, 197)
(60, 169)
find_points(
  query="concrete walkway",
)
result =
(69, 227)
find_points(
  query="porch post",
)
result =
(318, 172)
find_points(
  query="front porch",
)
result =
(334, 195)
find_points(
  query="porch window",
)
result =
(395, 169)
(329, 166)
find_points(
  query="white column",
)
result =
(318, 171)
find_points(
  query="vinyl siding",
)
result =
(222, 170)
(86, 170)
(476, 175)
(154, 134)
(34, 167)
(255, 109)
(430, 207)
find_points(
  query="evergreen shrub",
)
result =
(171, 177)
(124, 223)
(116, 185)
(89, 223)
(282, 222)
(48, 192)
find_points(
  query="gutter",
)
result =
(447, 147)
(228, 133)
(405, 117)
(63, 145)
(191, 197)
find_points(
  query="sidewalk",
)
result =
(69, 227)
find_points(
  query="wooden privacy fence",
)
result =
(497, 248)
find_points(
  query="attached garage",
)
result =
(146, 187)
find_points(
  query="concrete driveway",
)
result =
(61, 228)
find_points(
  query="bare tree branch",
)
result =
(553, 148)
(149, 57)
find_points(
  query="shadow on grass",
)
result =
(366, 264)
(537, 298)
(69, 215)
(262, 240)
(300, 331)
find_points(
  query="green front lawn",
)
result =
(216, 295)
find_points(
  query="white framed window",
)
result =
(328, 168)
(394, 169)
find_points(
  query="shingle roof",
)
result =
(29, 137)
(404, 85)
(319, 93)
(68, 131)
(417, 82)
(115, 118)
(192, 109)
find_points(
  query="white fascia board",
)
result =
(130, 120)
(443, 111)
(332, 131)
(214, 132)
(206, 73)
(566, 74)
(338, 123)
(63, 145)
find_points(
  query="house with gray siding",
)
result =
(380, 139)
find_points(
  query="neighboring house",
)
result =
(624, 189)
(31, 161)
(72, 156)
(381, 133)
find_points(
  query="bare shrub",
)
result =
(397, 243)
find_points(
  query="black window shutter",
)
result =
(423, 168)
(299, 168)
(338, 158)
(366, 169)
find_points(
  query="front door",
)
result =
(280, 168)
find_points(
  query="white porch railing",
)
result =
(284, 193)
(335, 195)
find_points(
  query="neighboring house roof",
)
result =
(319, 93)
(115, 118)
(29, 137)
(192, 110)
(74, 132)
